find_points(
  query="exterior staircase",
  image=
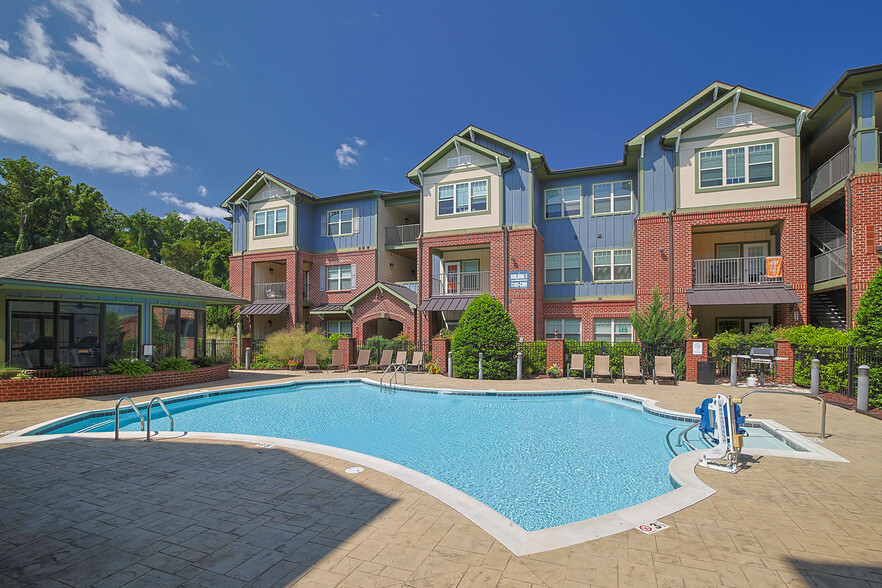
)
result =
(826, 313)
(825, 235)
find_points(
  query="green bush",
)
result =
(728, 343)
(290, 344)
(535, 357)
(828, 345)
(661, 323)
(129, 367)
(24, 375)
(60, 370)
(262, 363)
(485, 327)
(8, 372)
(204, 361)
(174, 364)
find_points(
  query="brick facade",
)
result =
(693, 359)
(866, 232)
(440, 349)
(587, 311)
(365, 313)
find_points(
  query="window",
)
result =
(613, 330)
(339, 277)
(338, 327)
(563, 329)
(121, 328)
(612, 265)
(462, 198)
(305, 285)
(736, 165)
(563, 268)
(612, 198)
(563, 202)
(271, 222)
(340, 222)
(178, 332)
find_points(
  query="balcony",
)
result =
(828, 265)
(402, 235)
(269, 291)
(733, 271)
(830, 173)
(461, 284)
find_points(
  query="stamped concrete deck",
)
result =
(188, 512)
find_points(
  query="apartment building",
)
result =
(741, 207)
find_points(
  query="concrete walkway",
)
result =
(78, 512)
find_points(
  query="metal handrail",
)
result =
(396, 367)
(681, 438)
(162, 404)
(116, 416)
(809, 394)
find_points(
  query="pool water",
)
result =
(540, 461)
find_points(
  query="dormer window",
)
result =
(271, 222)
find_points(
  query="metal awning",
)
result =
(745, 295)
(265, 308)
(329, 309)
(446, 303)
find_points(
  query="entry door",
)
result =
(728, 271)
(755, 262)
(470, 275)
(451, 277)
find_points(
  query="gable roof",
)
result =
(93, 263)
(414, 174)
(258, 175)
(471, 130)
(405, 294)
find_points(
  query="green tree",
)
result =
(485, 327)
(661, 323)
(183, 256)
(867, 333)
(27, 186)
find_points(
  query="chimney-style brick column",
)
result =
(784, 368)
(692, 358)
(348, 347)
(440, 347)
(554, 353)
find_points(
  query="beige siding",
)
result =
(761, 119)
(390, 216)
(269, 197)
(462, 222)
(482, 255)
(704, 244)
(707, 315)
(478, 159)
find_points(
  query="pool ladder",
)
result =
(171, 419)
(395, 367)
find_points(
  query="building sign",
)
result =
(519, 280)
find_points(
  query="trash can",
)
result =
(707, 372)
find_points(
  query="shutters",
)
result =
(352, 268)
(322, 279)
(734, 120)
(355, 220)
(324, 224)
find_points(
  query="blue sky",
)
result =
(172, 105)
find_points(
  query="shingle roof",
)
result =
(92, 262)
(402, 291)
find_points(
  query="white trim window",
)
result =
(339, 277)
(340, 222)
(271, 222)
(612, 198)
(563, 202)
(736, 165)
(338, 327)
(563, 268)
(563, 329)
(612, 265)
(463, 197)
(613, 330)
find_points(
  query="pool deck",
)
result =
(200, 512)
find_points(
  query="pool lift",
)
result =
(721, 420)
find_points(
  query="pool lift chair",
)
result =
(720, 422)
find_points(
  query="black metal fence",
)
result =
(220, 350)
(838, 367)
(535, 355)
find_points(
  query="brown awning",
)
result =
(265, 308)
(446, 303)
(744, 295)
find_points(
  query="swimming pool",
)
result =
(541, 460)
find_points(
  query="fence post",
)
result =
(733, 371)
(480, 365)
(449, 364)
(520, 365)
(214, 349)
(816, 376)
(247, 358)
(863, 392)
(850, 389)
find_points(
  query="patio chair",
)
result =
(577, 363)
(632, 369)
(385, 360)
(416, 362)
(363, 361)
(401, 358)
(663, 369)
(337, 361)
(310, 363)
(601, 368)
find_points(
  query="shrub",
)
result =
(24, 375)
(724, 345)
(485, 327)
(377, 344)
(96, 373)
(174, 364)
(290, 344)
(868, 333)
(60, 370)
(433, 368)
(129, 367)
(332, 339)
(661, 323)
(8, 372)
(204, 361)
(261, 363)
(535, 357)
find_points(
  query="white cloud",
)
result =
(202, 191)
(359, 141)
(126, 51)
(77, 142)
(346, 156)
(33, 35)
(4, 45)
(41, 81)
(190, 209)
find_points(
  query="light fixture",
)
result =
(271, 270)
(269, 322)
(391, 265)
(661, 249)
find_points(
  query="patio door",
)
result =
(452, 270)
(755, 262)
(727, 271)
(470, 276)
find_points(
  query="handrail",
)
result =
(681, 438)
(395, 367)
(162, 404)
(116, 416)
(809, 394)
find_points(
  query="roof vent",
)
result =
(734, 120)
(459, 161)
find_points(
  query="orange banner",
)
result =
(774, 267)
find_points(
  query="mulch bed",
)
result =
(847, 402)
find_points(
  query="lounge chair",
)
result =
(310, 363)
(577, 363)
(363, 361)
(385, 360)
(337, 361)
(632, 369)
(601, 368)
(416, 362)
(663, 370)
(401, 358)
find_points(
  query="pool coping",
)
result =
(519, 541)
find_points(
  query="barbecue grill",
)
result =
(763, 356)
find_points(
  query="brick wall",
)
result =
(693, 359)
(365, 312)
(440, 348)
(50, 388)
(554, 353)
(587, 311)
(242, 274)
(866, 232)
(366, 273)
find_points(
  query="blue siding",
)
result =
(305, 224)
(365, 208)
(517, 182)
(240, 229)
(586, 234)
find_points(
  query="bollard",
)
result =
(816, 376)
(481, 365)
(520, 365)
(449, 364)
(863, 389)
(733, 371)
(247, 358)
